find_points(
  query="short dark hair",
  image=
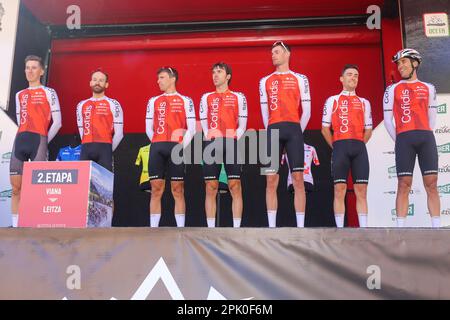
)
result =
(101, 71)
(170, 71)
(35, 58)
(282, 44)
(224, 66)
(349, 66)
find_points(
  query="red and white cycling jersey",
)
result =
(412, 104)
(167, 117)
(96, 119)
(223, 114)
(348, 115)
(284, 97)
(34, 109)
(310, 157)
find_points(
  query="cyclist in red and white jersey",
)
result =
(412, 104)
(100, 123)
(223, 116)
(347, 126)
(310, 158)
(286, 107)
(170, 121)
(36, 107)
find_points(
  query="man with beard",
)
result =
(100, 123)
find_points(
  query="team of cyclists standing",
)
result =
(285, 108)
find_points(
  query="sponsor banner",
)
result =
(9, 15)
(205, 264)
(63, 194)
(436, 24)
(8, 131)
(382, 188)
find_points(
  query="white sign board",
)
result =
(9, 14)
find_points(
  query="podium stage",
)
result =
(224, 263)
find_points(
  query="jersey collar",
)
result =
(285, 72)
(225, 92)
(170, 94)
(409, 81)
(98, 99)
(348, 93)
(35, 88)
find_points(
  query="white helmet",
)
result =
(407, 53)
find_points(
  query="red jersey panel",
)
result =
(283, 93)
(348, 115)
(96, 118)
(411, 101)
(34, 107)
(168, 114)
(222, 112)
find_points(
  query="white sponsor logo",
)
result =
(274, 95)
(343, 115)
(24, 108)
(87, 120)
(214, 113)
(406, 106)
(159, 272)
(161, 117)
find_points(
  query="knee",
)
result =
(339, 190)
(272, 184)
(404, 185)
(157, 191)
(430, 185)
(16, 190)
(297, 181)
(177, 191)
(211, 189)
(360, 191)
(235, 187)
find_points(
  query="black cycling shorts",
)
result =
(420, 143)
(350, 154)
(291, 139)
(27, 146)
(222, 150)
(160, 159)
(98, 152)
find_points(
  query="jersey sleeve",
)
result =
(305, 97)
(367, 114)
(388, 111)
(204, 113)
(149, 118)
(17, 109)
(55, 109)
(80, 119)
(327, 112)
(190, 121)
(117, 112)
(243, 113)
(264, 102)
(433, 104)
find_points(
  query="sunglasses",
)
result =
(170, 70)
(280, 43)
